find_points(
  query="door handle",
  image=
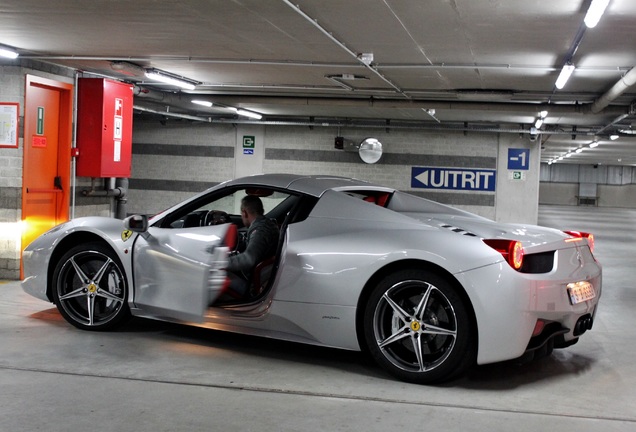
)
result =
(57, 187)
(33, 190)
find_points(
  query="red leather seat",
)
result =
(261, 275)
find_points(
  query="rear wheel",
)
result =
(90, 289)
(417, 327)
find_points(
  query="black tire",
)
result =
(90, 288)
(418, 328)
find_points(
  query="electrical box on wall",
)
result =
(104, 128)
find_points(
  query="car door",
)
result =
(179, 271)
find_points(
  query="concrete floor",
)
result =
(154, 376)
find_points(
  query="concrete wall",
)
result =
(173, 159)
(617, 196)
(11, 90)
(517, 190)
(300, 151)
(558, 193)
(561, 184)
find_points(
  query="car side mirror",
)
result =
(137, 223)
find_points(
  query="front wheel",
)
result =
(90, 289)
(417, 327)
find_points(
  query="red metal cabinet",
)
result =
(104, 128)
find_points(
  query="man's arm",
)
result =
(257, 247)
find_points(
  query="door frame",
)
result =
(65, 138)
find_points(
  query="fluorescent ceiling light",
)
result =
(538, 123)
(203, 103)
(579, 150)
(595, 12)
(568, 155)
(543, 114)
(594, 144)
(5, 52)
(168, 79)
(564, 76)
(614, 137)
(247, 113)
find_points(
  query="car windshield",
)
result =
(225, 207)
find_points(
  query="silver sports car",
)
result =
(425, 289)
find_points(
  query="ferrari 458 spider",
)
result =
(425, 289)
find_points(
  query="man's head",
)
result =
(251, 208)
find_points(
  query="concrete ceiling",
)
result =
(479, 64)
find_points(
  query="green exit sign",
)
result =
(40, 121)
(248, 141)
(517, 175)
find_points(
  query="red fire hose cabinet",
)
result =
(104, 128)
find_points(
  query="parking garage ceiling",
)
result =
(468, 65)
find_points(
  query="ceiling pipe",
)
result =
(367, 124)
(331, 65)
(183, 100)
(157, 96)
(627, 81)
(621, 86)
(613, 123)
(381, 124)
(327, 33)
(171, 114)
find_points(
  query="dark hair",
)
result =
(252, 205)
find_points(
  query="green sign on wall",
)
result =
(40, 121)
(249, 141)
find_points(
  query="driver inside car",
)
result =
(261, 243)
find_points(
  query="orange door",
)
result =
(47, 148)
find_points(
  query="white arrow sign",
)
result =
(453, 178)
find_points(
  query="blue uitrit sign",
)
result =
(453, 178)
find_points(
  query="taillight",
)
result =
(583, 235)
(538, 327)
(511, 250)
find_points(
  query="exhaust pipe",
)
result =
(583, 324)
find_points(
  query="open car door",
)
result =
(179, 271)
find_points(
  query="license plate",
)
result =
(580, 292)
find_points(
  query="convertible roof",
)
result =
(314, 185)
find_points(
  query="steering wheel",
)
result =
(216, 217)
